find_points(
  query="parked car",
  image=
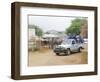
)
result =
(85, 40)
(71, 45)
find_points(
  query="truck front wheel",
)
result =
(68, 52)
(57, 54)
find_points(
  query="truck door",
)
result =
(74, 45)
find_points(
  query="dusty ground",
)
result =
(46, 57)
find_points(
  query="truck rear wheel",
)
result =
(79, 50)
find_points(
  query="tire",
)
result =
(57, 54)
(79, 50)
(68, 52)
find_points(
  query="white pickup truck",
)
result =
(71, 45)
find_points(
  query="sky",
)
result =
(46, 23)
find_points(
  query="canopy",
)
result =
(49, 36)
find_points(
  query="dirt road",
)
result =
(47, 57)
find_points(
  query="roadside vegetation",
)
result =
(76, 27)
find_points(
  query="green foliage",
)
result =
(38, 31)
(75, 26)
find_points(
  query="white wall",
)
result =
(5, 40)
(31, 33)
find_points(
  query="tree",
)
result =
(38, 31)
(75, 26)
(84, 29)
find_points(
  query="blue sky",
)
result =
(51, 22)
